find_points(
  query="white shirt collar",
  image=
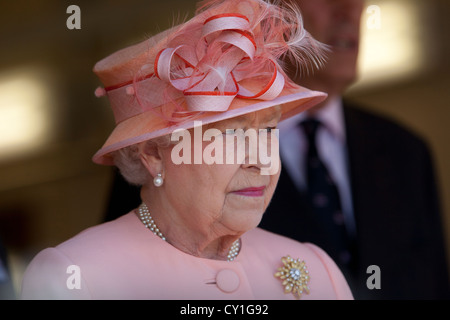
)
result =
(331, 116)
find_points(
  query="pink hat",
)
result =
(223, 63)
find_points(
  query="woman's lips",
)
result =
(251, 192)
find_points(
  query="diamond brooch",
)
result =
(294, 275)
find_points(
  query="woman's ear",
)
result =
(151, 158)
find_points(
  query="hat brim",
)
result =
(147, 126)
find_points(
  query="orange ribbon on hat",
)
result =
(210, 75)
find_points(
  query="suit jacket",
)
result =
(122, 259)
(396, 208)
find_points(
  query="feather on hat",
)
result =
(224, 62)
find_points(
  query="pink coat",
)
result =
(124, 260)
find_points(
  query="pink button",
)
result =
(227, 280)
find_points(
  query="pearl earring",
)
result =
(158, 180)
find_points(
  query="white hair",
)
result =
(128, 160)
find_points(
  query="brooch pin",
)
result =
(295, 276)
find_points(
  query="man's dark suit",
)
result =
(396, 210)
(395, 204)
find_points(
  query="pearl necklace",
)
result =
(149, 223)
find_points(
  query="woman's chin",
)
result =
(243, 220)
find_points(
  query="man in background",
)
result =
(357, 184)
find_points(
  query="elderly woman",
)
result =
(195, 108)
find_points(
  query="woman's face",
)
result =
(228, 197)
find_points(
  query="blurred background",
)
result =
(51, 123)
